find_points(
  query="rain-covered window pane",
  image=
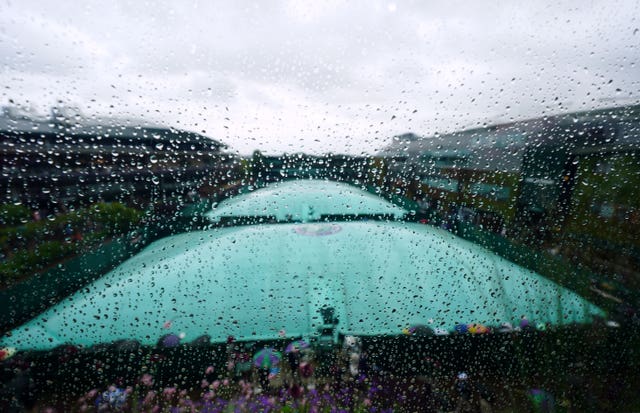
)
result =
(319, 206)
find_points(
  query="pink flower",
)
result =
(169, 392)
(230, 365)
(367, 402)
(146, 380)
(225, 382)
(204, 383)
(209, 395)
(209, 370)
(148, 399)
(215, 384)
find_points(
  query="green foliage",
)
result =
(33, 246)
(115, 217)
(611, 182)
(11, 215)
(30, 261)
(53, 250)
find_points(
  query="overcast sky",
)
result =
(314, 76)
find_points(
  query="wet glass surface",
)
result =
(340, 206)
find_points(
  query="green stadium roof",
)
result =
(270, 281)
(305, 200)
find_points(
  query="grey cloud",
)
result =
(309, 74)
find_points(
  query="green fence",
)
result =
(29, 298)
(552, 267)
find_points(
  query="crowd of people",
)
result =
(295, 376)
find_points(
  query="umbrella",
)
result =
(420, 330)
(266, 358)
(6, 353)
(296, 345)
(169, 340)
(477, 328)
